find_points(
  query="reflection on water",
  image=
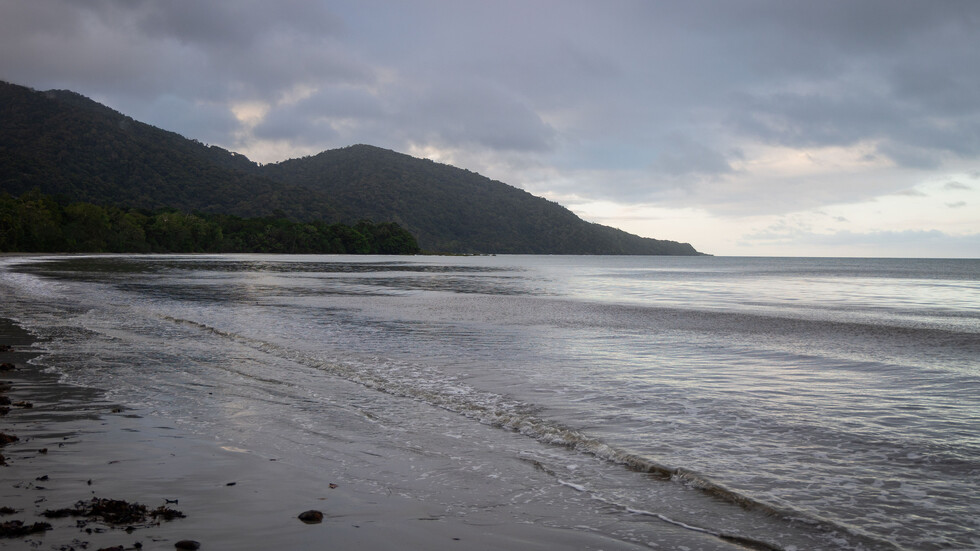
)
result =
(207, 279)
(845, 390)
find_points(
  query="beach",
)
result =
(493, 402)
(74, 446)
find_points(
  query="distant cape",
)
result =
(69, 146)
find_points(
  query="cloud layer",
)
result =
(737, 109)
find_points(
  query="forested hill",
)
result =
(452, 209)
(69, 146)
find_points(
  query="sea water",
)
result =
(760, 403)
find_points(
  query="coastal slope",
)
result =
(67, 145)
(451, 209)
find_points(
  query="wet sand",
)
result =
(74, 446)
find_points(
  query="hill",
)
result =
(67, 145)
(451, 209)
(70, 146)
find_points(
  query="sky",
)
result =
(744, 127)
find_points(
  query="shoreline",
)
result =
(231, 498)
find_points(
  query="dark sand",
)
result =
(232, 499)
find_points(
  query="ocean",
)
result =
(753, 403)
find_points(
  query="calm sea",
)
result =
(762, 403)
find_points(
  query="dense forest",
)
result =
(35, 222)
(452, 209)
(67, 145)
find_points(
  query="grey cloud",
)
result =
(956, 205)
(813, 119)
(477, 112)
(596, 94)
(954, 186)
(892, 73)
(211, 50)
(910, 193)
(923, 158)
(457, 114)
(315, 119)
(235, 24)
(205, 122)
(911, 136)
(682, 155)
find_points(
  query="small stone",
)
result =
(190, 545)
(311, 517)
(7, 367)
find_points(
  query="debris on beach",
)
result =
(311, 517)
(7, 438)
(190, 545)
(17, 528)
(6, 366)
(115, 511)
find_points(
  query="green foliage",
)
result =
(68, 146)
(65, 144)
(37, 223)
(455, 210)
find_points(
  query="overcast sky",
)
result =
(824, 128)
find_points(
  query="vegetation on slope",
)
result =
(37, 223)
(65, 144)
(451, 209)
(75, 149)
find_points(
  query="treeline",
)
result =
(35, 222)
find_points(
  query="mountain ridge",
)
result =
(66, 144)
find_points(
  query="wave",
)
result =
(439, 390)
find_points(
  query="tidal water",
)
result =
(752, 403)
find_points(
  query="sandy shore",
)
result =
(74, 446)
